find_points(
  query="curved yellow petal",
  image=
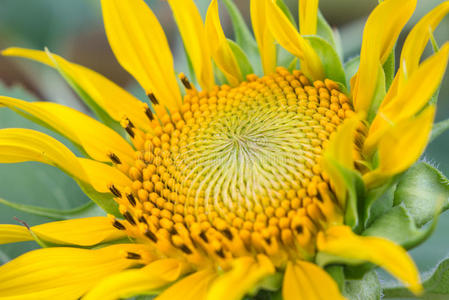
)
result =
(413, 48)
(401, 146)
(341, 149)
(97, 139)
(289, 38)
(308, 15)
(14, 233)
(306, 281)
(117, 102)
(51, 273)
(220, 49)
(138, 281)
(379, 36)
(418, 38)
(20, 145)
(414, 95)
(246, 272)
(139, 43)
(101, 176)
(192, 287)
(342, 242)
(194, 36)
(264, 38)
(82, 232)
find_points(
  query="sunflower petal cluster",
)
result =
(255, 175)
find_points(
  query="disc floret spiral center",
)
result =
(237, 171)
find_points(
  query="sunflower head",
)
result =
(283, 181)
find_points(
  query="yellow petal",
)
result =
(341, 150)
(220, 49)
(264, 38)
(342, 242)
(82, 232)
(20, 145)
(379, 36)
(97, 139)
(401, 146)
(306, 281)
(418, 38)
(192, 287)
(101, 176)
(308, 15)
(289, 38)
(413, 48)
(246, 272)
(139, 281)
(416, 92)
(139, 43)
(14, 233)
(50, 273)
(193, 34)
(117, 102)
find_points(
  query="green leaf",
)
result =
(333, 67)
(378, 201)
(389, 69)
(436, 285)
(243, 35)
(438, 129)
(423, 191)
(58, 214)
(337, 273)
(351, 67)
(420, 195)
(398, 226)
(367, 288)
(324, 30)
(242, 59)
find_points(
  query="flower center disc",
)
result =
(237, 170)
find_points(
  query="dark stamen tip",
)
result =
(185, 249)
(115, 191)
(149, 113)
(204, 237)
(115, 159)
(153, 98)
(132, 255)
(299, 229)
(131, 199)
(186, 83)
(227, 233)
(129, 218)
(220, 253)
(151, 236)
(118, 225)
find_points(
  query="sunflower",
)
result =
(236, 183)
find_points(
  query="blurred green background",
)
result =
(74, 30)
